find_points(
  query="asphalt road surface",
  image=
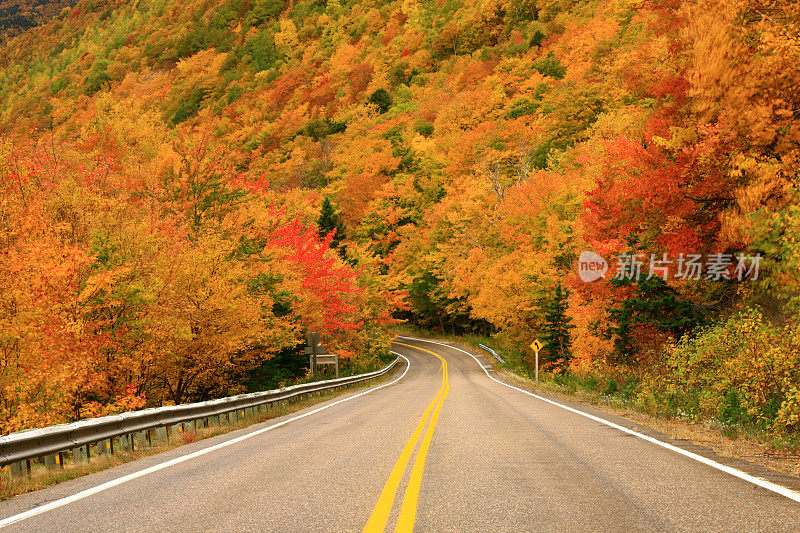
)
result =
(442, 448)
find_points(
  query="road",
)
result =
(444, 448)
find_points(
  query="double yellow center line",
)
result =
(408, 511)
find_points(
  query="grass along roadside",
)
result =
(43, 475)
(746, 444)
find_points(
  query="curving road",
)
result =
(441, 448)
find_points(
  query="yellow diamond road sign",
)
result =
(536, 346)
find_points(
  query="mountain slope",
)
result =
(473, 150)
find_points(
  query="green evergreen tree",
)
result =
(557, 339)
(653, 304)
(382, 99)
(329, 221)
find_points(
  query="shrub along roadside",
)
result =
(742, 372)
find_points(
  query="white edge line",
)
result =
(783, 491)
(155, 468)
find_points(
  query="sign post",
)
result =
(536, 346)
(317, 355)
(313, 346)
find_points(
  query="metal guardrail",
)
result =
(495, 354)
(26, 445)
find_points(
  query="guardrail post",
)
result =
(50, 461)
(162, 433)
(105, 446)
(21, 468)
(142, 439)
(80, 454)
(126, 442)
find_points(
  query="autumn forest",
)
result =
(189, 187)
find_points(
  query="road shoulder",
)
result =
(742, 454)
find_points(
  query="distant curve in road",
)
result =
(458, 451)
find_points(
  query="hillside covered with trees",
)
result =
(189, 186)
(17, 16)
